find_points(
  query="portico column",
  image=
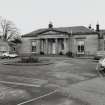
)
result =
(46, 41)
(42, 45)
(56, 44)
(38, 51)
(65, 45)
(49, 47)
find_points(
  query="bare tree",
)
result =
(10, 34)
(8, 30)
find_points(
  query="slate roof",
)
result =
(76, 30)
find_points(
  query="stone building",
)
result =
(79, 40)
(4, 47)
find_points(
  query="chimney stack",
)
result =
(50, 25)
(97, 27)
(90, 26)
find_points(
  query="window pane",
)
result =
(33, 43)
(33, 46)
(79, 48)
(82, 48)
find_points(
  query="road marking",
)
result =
(21, 84)
(34, 99)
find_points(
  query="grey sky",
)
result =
(30, 15)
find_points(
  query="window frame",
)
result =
(33, 47)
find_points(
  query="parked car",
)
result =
(99, 55)
(13, 55)
(8, 55)
(101, 67)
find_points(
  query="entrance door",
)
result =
(53, 48)
(80, 47)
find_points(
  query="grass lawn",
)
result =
(62, 73)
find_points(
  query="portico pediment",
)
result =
(52, 36)
(51, 32)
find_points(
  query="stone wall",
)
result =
(91, 43)
(25, 46)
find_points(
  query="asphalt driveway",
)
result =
(61, 74)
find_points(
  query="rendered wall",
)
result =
(91, 43)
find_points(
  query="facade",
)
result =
(79, 40)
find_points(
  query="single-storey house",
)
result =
(79, 40)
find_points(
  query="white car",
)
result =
(13, 55)
(101, 66)
(9, 55)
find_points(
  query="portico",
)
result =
(53, 45)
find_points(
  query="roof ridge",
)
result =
(70, 26)
(75, 29)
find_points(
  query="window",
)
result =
(80, 46)
(13, 49)
(34, 46)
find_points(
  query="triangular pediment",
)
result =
(50, 32)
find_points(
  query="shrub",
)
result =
(42, 53)
(29, 58)
(70, 54)
(60, 53)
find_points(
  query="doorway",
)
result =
(53, 47)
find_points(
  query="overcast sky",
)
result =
(30, 15)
